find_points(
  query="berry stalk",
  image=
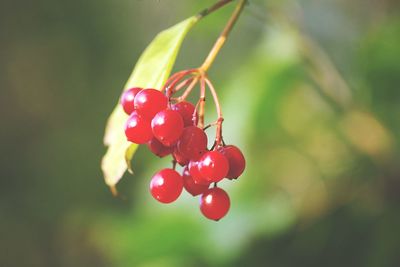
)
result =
(189, 89)
(223, 36)
(218, 136)
(202, 102)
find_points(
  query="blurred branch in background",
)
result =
(320, 67)
(364, 132)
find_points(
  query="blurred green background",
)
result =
(310, 92)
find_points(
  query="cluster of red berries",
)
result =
(171, 128)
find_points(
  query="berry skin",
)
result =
(127, 99)
(193, 143)
(182, 160)
(167, 126)
(193, 168)
(214, 203)
(149, 102)
(214, 166)
(186, 109)
(159, 149)
(190, 186)
(138, 129)
(166, 185)
(237, 162)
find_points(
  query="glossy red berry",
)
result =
(149, 102)
(214, 166)
(167, 126)
(166, 185)
(127, 99)
(187, 111)
(237, 162)
(138, 129)
(193, 168)
(193, 143)
(214, 203)
(159, 149)
(190, 186)
(180, 159)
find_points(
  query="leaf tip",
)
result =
(113, 190)
(130, 169)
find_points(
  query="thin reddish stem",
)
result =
(215, 96)
(202, 102)
(175, 78)
(189, 89)
(223, 36)
(170, 79)
(174, 163)
(182, 84)
(218, 135)
(171, 86)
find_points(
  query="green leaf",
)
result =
(151, 71)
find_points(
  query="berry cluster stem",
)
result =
(207, 64)
(218, 136)
(202, 102)
(189, 89)
(174, 79)
(178, 81)
(223, 36)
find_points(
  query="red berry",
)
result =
(190, 186)
(166, 185)
(214, 166)
(187, 111)
(195, 173)
(182, 160)
(237, 162)
(167, 126)
(138, 129)
(214, 203)
(159, 149)
(192, 143)
(127, 99)
(149, 102)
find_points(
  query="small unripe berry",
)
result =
(214, 203)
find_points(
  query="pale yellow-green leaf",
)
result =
(151, 71)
